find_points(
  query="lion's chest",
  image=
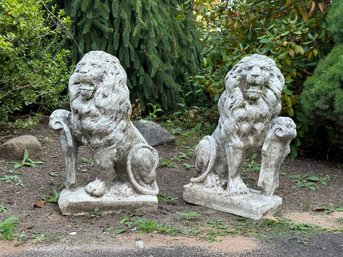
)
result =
(252, 123)
(89, 124)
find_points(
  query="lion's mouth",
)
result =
(254, 90)
(87, 78)
(85, 85)
(86, 89)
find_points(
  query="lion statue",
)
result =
(248, 109)
(100, 119)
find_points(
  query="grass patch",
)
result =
(271, 230)
(188, 216)
(165, 198)
(134, 223)
(167, 163)
(218, 224)
(181, 156)
(251, 164)
(88, 161)
(15, 179)
(52, 198)
(150, 225)
(26, 161)
(212, 235)
(265, 229)
(2, 208)
(94, 215)
(331, 208)
(308, 181)
(39, 237)
(7, 228)
(188, 166)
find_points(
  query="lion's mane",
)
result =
(95, 121)
(234, 106)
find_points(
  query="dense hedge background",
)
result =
(322, 98)
(33, 67)
(162, 45)
(157, 42)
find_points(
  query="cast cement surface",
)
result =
(79, 202)
(253, 205)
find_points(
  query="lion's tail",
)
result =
(207, 140)
(145, 190)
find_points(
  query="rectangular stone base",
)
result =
(253, 205)
(78, 202)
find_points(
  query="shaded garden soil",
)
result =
(46, 225)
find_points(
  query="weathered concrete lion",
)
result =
(248, 120)
(100, 119)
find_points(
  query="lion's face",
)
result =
(97, 71)
(88, 74)
(256, 76)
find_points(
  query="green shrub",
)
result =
(157, 43)
(335, 21)
(33, 70)
(290, 32)
(322, 98)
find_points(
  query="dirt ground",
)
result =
(46, 225)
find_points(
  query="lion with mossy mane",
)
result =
(100, 119)
(249, 109)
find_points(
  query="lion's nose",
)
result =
(256, 71)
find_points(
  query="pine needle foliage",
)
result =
(156, 42)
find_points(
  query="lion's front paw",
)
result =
(237, 187)
(97, 188)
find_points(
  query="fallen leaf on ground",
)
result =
(39, 204)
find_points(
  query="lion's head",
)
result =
(255, 76)
(99, 97)
(98, 75)
(255, 80)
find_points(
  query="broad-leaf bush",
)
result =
(33, 68)
(292, 33)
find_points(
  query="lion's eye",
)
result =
(95, 65)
